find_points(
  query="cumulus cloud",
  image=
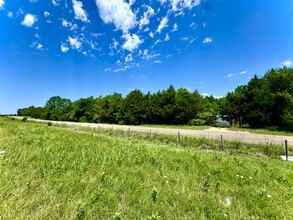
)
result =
(55, 2)
(64, 49)
(179, 5)
(79, 12)
(117, 12)
(128, 58)
(2, 4)
(207, 40)
(47, 14)
(287, 63)
(65, 23)
(29, 20)
(163, 24)
(75, 44)
(175, 28)
(10, 14)
(146, 55)
(167, 38)
(39, 46)
(132, 42)
(145, 20)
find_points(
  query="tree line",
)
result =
(163, 107)
(264, 102)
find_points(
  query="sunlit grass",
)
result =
(52, 172)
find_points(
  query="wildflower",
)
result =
(167, 182)
(165, 177)
(228, 201)
(237, 175)
(241, 177)
(269, 196)
(250, 177)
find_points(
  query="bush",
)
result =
(197, 121)
(49, 123)
(24, 119)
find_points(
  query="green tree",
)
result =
(133, 109)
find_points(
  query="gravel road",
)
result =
(212, 133)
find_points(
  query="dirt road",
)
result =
(212, 133)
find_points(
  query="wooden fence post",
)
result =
(222, 142)
(286, 147)
(178, 139)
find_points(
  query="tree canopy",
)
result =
(264, 102)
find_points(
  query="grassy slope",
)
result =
(55, 173)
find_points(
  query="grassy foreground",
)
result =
(55, 173)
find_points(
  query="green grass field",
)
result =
(52, 172)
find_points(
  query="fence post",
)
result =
(286, 146)
(222, 142)
(178, 138)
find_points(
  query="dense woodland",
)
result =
(264, 102)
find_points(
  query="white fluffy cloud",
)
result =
(287, 63)
(163, 24)
(175, 28)
(64, 49)
(117, 12)
(79, 12)
(29, 20)
(2, 4)
(39, 46)
(145, 20)
(167, 38)
(128, 58)
(47, 14)
(207, 40)
(10, 14)
(55, 2)
(75, 44)
(179, 5)
(132, 42)
(65, 23)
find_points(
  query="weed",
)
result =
(155, 216)
(154, 194)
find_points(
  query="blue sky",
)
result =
(81, 48)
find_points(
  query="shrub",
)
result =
(24, 119)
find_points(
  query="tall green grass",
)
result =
(52, 172)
